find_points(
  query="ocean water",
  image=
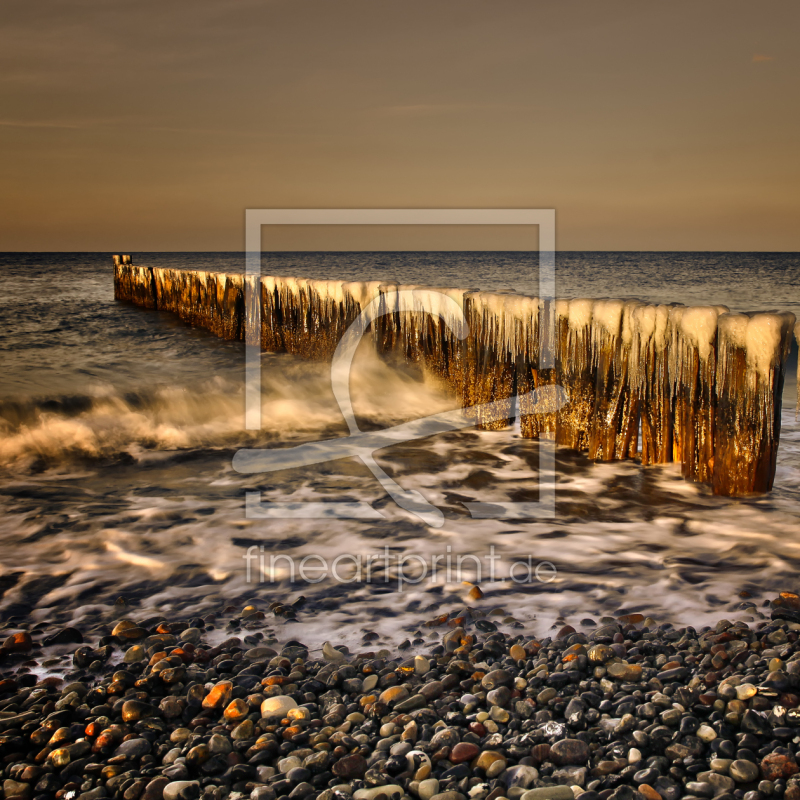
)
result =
(118, 426)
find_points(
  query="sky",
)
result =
(153, 124)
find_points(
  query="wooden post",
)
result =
(749, 385)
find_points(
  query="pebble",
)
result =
(549, 793)
(569, 751)
(706, 733)
(181, 790)
(621, 712)
(388, 790)
(464, 751)
(778, 765)
(743, 771)
(428, 788)
(277, 706)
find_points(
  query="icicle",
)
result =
(695, 398)
(503, 335)
(574, 372)
(614, 420)
(649, 379)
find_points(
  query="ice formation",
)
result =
(702, 384)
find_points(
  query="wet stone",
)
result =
(133, 748)
(277, 706)
(569, 751)
(776, 766)
(349, 767)
(549, 793)
(463, 751)
(743, 771)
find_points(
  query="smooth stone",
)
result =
(491, 762)
(350, 767)
(428, 788)
(721, 783)
(411, 703)
(259, 653)
(278, 706)
(570, 776)
(521, 776)
(625, 672)
(370, 794)
(517, 652)
(721, 765)
(499, 714)
(464, 751)
(649, 793)
(421, 665)
(394, 694)
(495, 678)
(568, 752)
(419, 763)
(743, 771)
(178, 790)
(133, 748)
(700, 789)
(745, 691)
(286, 765)
(549, 793)
(134, 654)
(706, 733)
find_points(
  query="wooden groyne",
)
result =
(697, 385)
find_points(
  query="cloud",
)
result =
(758, 58)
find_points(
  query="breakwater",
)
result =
(697, 385)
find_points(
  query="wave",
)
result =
(297, 403)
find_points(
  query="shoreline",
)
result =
(625, 708)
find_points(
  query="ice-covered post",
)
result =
(614, 418)
(695, 407)
(490, 371)
(751, 351)
(574, 371)
(649, 374)
(536, 368)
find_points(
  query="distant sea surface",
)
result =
(118, 425)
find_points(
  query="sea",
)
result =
(118, 427)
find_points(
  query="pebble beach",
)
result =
(621, 708)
